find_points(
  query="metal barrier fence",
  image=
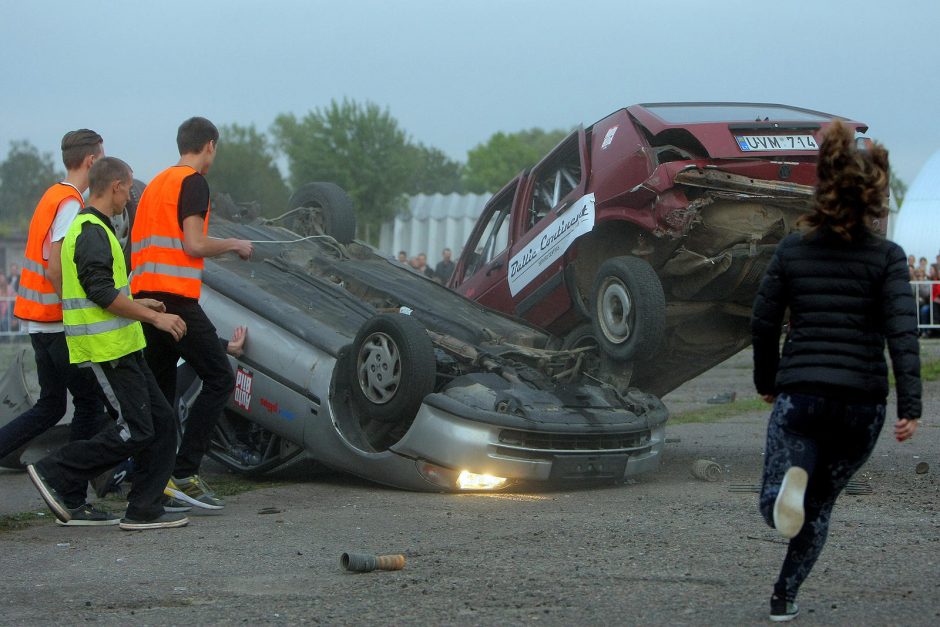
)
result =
(928, 311)
(9, 326)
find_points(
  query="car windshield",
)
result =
(732, 112)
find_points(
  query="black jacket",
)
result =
(844, 299)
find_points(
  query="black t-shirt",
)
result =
(194, 198)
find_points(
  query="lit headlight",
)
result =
(472, 481)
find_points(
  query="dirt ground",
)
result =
(665, 549)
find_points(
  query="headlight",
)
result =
(472, 481)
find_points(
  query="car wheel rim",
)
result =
(379, 368)
(616, 309)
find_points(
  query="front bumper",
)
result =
(451, 442)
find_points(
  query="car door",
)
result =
(481, 273)
(551, 215)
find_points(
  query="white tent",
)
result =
(917, 229)
(433, 222)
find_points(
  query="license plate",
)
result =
(571, 467)
(762, 143)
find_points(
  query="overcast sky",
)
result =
(452, 72)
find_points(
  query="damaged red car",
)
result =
(646, 234)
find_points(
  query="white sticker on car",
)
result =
(609, 137)
(551, 243)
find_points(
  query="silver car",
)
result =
(362, 365)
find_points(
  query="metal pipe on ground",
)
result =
(364, 563)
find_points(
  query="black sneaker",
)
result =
(88, 515)
(782, 610)
(175, 505)
(49, 495)
(166, 520)
(111, 480)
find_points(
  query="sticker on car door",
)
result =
(551, 243)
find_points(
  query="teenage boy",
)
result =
(39, 307)
(169, 241)
(104, 335)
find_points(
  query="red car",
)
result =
(647, 234)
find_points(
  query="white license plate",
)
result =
(755, 143)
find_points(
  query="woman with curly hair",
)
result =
(847, 290)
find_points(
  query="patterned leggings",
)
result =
(831, 440)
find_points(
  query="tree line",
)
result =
(359, 146)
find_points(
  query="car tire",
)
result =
(579, 337)
(629, 308)
(331, 211)
(392, 369)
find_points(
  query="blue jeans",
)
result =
(830, 439)
(57, 377)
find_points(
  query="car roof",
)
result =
(659, 116)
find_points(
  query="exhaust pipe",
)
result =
(365, 563)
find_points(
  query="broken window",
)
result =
(554, 180)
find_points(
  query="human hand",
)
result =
(904, 429)
(172, 324)
(769, 398)
(151, 303)
(236, 345)
(243, 247)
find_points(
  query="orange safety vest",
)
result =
(35, 297)
(159, 262)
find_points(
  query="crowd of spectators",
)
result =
(925, 277)
(419, 263)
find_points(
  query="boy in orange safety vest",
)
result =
(39, 308)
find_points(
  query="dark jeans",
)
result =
(201, 349)
(145, 429)
(57, 377)
(830, 439)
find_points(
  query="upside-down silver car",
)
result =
(364, 366)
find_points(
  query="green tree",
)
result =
(24, 176)
(433, 172)
(503, 156)
(245, 169)
(360, 148)
(898, 188)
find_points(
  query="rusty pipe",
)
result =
(364, 563)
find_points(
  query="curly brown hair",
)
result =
(852, 185)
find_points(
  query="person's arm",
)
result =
(94, 263)
(54, 267)
(770, 305)
(143, 312)
(197, 244)
(65, 214)
(899, 317)
(192, 209)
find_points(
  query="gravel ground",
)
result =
(666, 549)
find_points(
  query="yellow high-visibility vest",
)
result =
(92, 333)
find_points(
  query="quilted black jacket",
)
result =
(845, 300)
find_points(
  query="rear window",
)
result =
(695, 114)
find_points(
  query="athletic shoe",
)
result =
(88, 515)
(782, 610)
(165, 520)
(110, 480)
(193, 490)
(788, 508)
(49, 495)
(175, 505)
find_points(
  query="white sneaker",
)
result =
(788, 508)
